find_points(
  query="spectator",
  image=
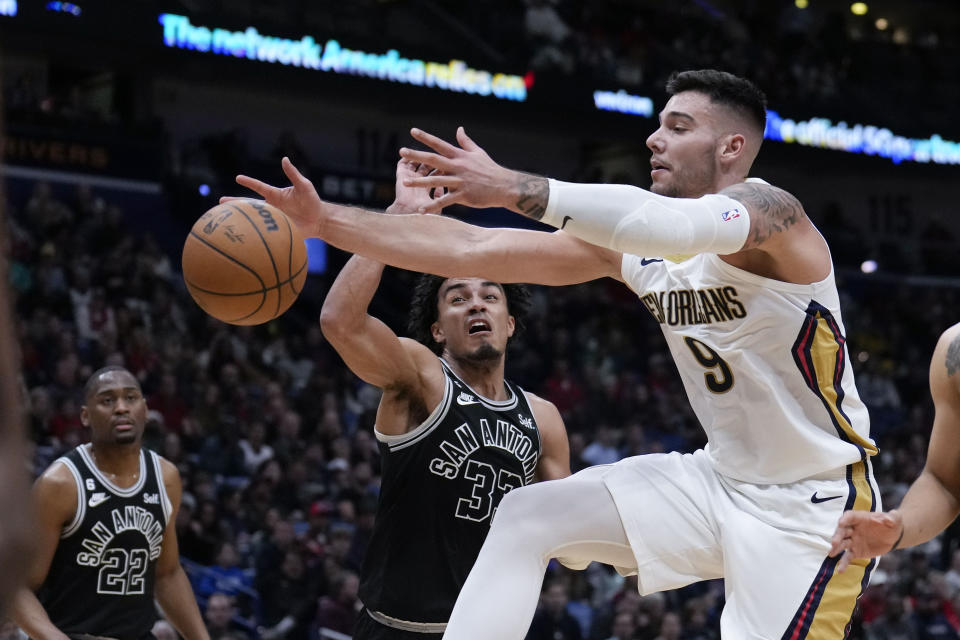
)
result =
(670, 627)
(624, 626)
(226, 575)
(219, 616)
(928, 617)
(338, 611)
(603, 449)
(895, 623)
(254, 447)
(552, 621)
(288, 597)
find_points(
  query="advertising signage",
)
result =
(456, 76)
(332, 57)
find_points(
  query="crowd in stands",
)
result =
(274, 439)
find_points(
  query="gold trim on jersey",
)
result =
(842, 590)
(821, 356)
(828, 605)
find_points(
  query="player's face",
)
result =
(115, 410)
(473, 321)
(685, 160)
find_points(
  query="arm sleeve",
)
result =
(632, 220)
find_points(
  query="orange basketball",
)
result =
(244, 262)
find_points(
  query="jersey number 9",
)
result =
(719, 379)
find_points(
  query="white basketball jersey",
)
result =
(764, 363)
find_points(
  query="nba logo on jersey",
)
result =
(733, 214)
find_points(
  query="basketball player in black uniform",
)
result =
(453, 434)
(106, 544)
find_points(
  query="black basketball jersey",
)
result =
(441, 484)
(101, 579)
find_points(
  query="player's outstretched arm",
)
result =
(172, 587)
(432, 244)
(54, 499)
(933, 500)
(628, 219)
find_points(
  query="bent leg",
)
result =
(575, 519)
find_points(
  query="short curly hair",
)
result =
(424, 308)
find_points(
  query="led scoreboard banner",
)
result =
(178, 32)
(860, 138)
(818, 132)
(307, 53)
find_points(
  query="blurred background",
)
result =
(123, 122)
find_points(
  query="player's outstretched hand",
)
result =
(467, 174)
(865, 534)
(299, 201)
(410, 199)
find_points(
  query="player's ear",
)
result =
(84, 416)
(437, 332)
(511, 326)
(732, 146)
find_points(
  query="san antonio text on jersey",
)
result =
(441, 485)
(102, 576)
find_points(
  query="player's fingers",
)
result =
(293, 174)
(432, 160)
(436, 180)
(437, 204)
(844, 561)
(836, 543)
(253, 184)
(417, 168)
(406, 167)
(465, 141)
(439, 145)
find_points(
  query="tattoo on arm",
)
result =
(534, 191)
(772, 210)
(953, 356)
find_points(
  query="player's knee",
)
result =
(514, 510)
(519, 515)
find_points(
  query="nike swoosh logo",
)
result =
(644, 261)
(566, 219)
(816, 500)
(464, 403)
(97, 500)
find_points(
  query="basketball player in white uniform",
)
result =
(742, 284)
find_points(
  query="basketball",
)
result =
(244, 262)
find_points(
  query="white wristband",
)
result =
(632, 220)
